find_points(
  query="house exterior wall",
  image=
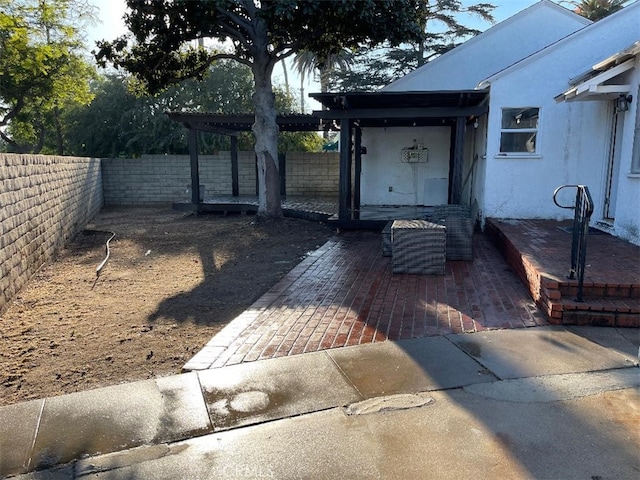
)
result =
(411, 183)
(522, 187)
(573, 136)
(493, 50)
(44, 201)
(627, 221)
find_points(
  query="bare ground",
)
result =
(172, 281)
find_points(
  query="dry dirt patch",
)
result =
(172, 281)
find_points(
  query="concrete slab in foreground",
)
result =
(457, 435)
(530, 403)
(407, 366)
(540, 351)
(256, 392)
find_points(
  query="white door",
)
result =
(613, 168)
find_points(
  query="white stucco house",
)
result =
(542, 99)
(579, 138)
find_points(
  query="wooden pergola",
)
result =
(353, 111)
(232, 126)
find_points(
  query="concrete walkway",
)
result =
(541, 402)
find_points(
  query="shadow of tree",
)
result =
(239, 265)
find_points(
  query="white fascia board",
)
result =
(604, 76)
(594, 85)
(632, 51)
(605, 89)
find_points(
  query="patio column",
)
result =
(344, 199)
(457, 162)
(357, 150)
(235, 190)
(195, 172)
(282, 168)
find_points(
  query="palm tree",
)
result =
(286, 76)
(307, 62)
(597, 9)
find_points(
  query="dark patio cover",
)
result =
(397, 109)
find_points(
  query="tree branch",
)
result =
(7, 139)
(230, 56)
(235, 33)
(13, 112)
(238, 20)
(38, 147)
(288, 49)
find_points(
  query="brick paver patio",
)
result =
(346, 294)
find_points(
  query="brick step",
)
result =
(607, 304)
(597, 311)
(600, 318)
(600, 290)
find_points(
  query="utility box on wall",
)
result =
(415, 155)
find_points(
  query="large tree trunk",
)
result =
(265, 130)
(59, 136)
(302, 92)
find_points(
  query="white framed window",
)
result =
(635, 153)
(519, 131)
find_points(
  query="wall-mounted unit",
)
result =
(415, 155)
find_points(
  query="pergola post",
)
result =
(235, 190)
(231, 125)
(457, 161)
(282, 168)
(344, 199)
(195, 172)
(357, 149)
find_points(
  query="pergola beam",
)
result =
(402, 113)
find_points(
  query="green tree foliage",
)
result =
(261, 33)
(372, 69)
(119, 123)
(441, 23)
(42, 70)
(441, 27)
(597, 9)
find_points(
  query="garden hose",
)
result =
(107, 251)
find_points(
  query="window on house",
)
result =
(519, 132)
(635, 155)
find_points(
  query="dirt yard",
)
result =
(172, 281)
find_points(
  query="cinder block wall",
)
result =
(44, 201)
(154, 179)
(246, 173)
(313, 174)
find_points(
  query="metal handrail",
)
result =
(583, 209)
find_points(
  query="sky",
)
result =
(110, 26)
(111, 12)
